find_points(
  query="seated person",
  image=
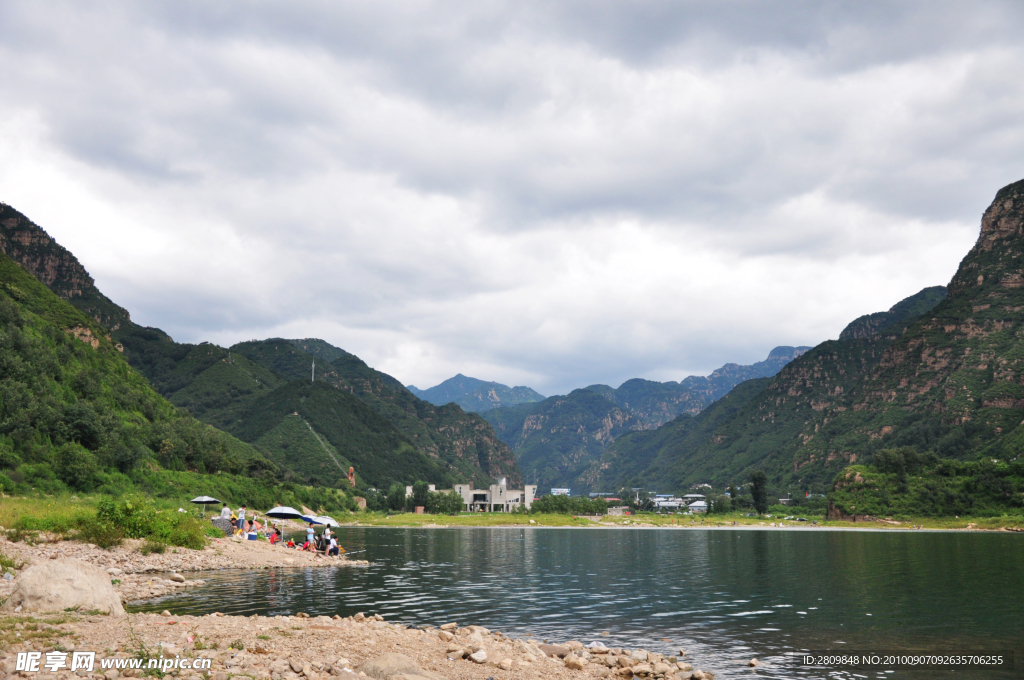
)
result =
(333, 548)
(308, 547)
(290, 543)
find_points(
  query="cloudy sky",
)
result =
(551, 193)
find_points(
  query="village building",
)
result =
(497, 498)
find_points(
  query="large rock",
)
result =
(57, 585)
(391, 666)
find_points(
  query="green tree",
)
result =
(396, 497)
(420, 494)
(759, 490)
(76, 467)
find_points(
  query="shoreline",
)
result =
(282, 647)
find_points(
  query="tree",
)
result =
(449, 503)
(396, 497)
(76, 467)
(420, 494)
(759, 490)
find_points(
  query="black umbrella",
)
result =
(204, 500)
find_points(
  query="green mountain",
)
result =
(73, 410)
(476, 396)
(222, 386)
(939, 383)
(562, 440)
(764, 422)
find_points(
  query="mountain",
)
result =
(764, 424)
(476, 396)
(945, 383)
(73, 410)
(559, 441)
(222, 387)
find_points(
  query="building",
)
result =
(667, 501)
(699, 506)
(497, 498)
(561, 492)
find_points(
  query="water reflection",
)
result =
(724, 596)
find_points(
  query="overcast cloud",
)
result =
(551, 194)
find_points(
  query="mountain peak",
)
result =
(476, 395)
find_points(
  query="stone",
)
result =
(111, 674)
(638, 655)
(219, 675)
(445, 635)
(8, 576)
(662, 669)
(625, 672)
(574, 663)
(168, 649)
(753, 662)
(388, 666)
(554, 650)
(642, 669)
(296, 665)
(58, 585)
(165, 613)
(574, 645)
(702, 675)
(505, 664)
(114, 571)
(177, 578)
(624, 661)
(683, 666)
(359, 616)
(479, 656)
(449, 626)
(342, 662)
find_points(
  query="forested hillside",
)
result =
(221, 387)
(562, 440)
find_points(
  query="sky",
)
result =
(551, 194)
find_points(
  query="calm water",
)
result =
(723, 595)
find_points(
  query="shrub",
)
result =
(103, 534)
(396, 497)
(449, 503)
(151, 546)
(569, 505)
(134, 516)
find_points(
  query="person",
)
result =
(225, 512)
(327, 532)
(241, 519)
(308, 547)
(332, 549)
(277, 533)
(310, 533)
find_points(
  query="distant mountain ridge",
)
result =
(557, 441)
(475, 395)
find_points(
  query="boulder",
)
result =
(642, 669)
(57, 585)
(390, 666)
(662, 668)
(177, 578)
(554, 650)
(574, 663)
(479, 656)
(505, 664)
(449, 626)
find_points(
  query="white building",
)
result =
(698, 506)
(497, 498)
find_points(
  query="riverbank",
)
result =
(139, 576)
(651, 520)
(295, 647)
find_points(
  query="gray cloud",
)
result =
(545, 193)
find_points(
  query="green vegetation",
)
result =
(759, 491)
(568, 505)
(901, 483)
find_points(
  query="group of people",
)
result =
(240, 526)
(325, 543)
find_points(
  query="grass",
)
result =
(651, 519)
(19, 629)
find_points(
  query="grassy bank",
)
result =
(680, 521)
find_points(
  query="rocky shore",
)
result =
(299, 647)
(136, 576)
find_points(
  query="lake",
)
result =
(723, 595)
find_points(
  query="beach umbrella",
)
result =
(312, 520)
(204, 500)
(329, 521)
(284, 512)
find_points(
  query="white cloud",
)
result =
(551, 195)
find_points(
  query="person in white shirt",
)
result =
(333, 549)
(241, 519)
(225, 512)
